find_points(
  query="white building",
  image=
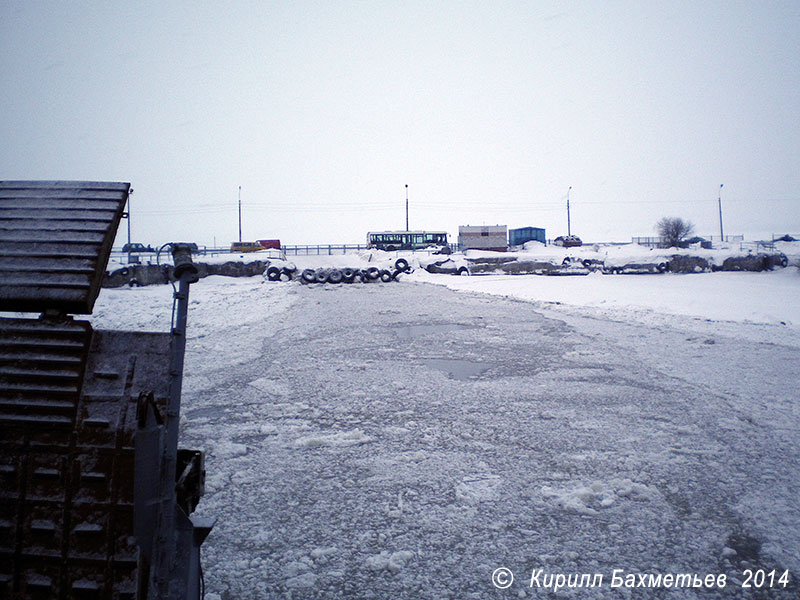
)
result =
(483, 237)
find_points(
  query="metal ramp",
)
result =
(89, 507)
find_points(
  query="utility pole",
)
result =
(568, 228)
(128, 215)
(406, 207)
(240, 213)
(719, 203)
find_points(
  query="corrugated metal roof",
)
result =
(55, 238)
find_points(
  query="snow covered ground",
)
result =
(405, 440)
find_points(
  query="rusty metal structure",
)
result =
(95, 496)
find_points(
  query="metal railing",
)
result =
(308, 249)
(659, 242)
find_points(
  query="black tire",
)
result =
(274, 274)
(784, 261)
(661, 267)
(463, 271)
(334, 276)
(373, 273)
(348, 275)
(290, 267)
(124, 272)
(401, 264)
(320, 276)
(289, 275)
(362, 276)
(133, 283)
(308, 275)
(396, 274)
(566, 262)
(385, 276)
(587, 263)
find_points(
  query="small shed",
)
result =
(483, 237)
(517, 237)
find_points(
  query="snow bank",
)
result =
(592, 499)
(764, 297)
(339, 439)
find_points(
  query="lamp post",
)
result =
(719, 204)
(406, 207)
(240, 213)
(568, 227)
(128, 215)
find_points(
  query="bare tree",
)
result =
(673, 230)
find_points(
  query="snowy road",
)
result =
(404, 441)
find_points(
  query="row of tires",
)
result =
(346, 275)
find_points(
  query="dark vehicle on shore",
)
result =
(568, 241)
(134, 247)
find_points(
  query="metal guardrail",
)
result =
(657, 241)
(288, 250)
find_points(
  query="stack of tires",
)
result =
(350, 275)
(276, 273)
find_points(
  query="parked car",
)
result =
(246, 247)
(137, 248)
(568, 241)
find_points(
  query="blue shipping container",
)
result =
(517, 237)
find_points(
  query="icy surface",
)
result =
(601, 436)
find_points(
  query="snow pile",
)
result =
(393, 562)
(477, 488)
(339, 439)
(591, 499)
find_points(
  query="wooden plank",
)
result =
(66, 184)
(65, 236)
(44, 203)
(48, 251)
(29, 279)
(34, 213)
(39, 262)
(25, 195)
(53, 225)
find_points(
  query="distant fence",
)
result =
(306, 250)
(659, 242)
(288, 250)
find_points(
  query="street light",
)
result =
(719, 203)
(127, 215)
(568, 228)
(406, 207)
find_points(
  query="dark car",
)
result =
(568, 241)
(137, 248)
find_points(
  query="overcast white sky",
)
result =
(489, 111)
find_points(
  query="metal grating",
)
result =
(41, 369)
(67, 526)
(55, 239)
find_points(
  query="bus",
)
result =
(405, 240)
